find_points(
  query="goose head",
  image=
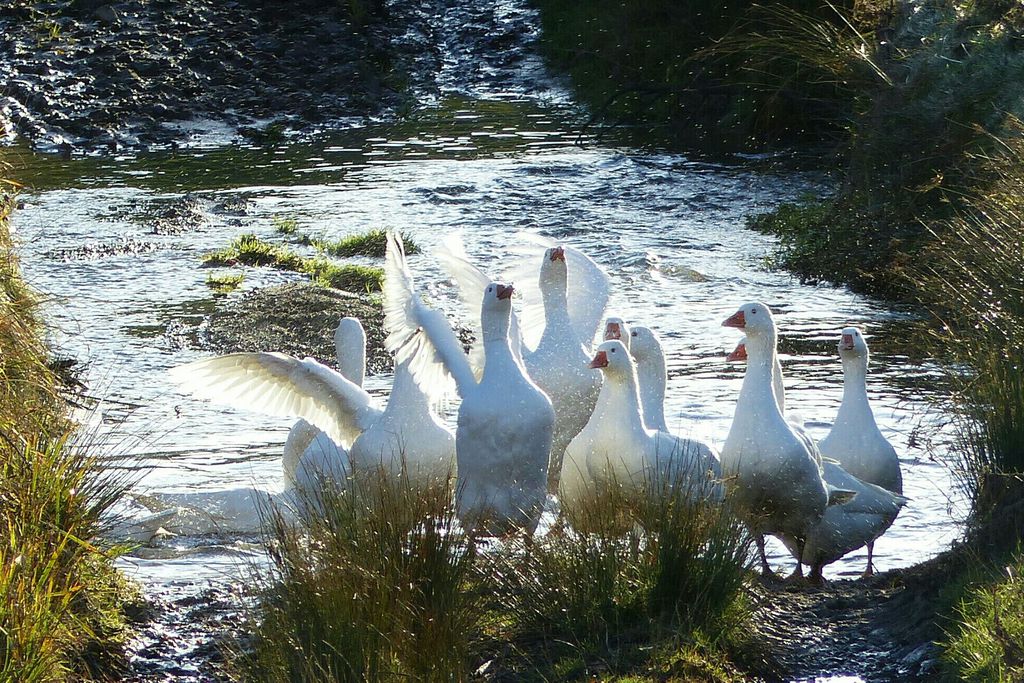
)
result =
(755, 319)
(553, 269)
(643, 343)
(739, 354)
(852, 345)
(612, 358)
(616, 328)
(496, 310)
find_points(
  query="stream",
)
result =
(115, 243)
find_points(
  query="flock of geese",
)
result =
(544, 412)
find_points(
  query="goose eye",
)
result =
(634, 334)
(753, 311)
(613, 350)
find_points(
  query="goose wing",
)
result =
(420, 334)
(279, 384)
(587, 293)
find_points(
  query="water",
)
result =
(668, 229)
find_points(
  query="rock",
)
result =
(917, 655)
(107, 14)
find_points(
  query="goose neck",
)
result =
(351, 361)
(758, 386)
(406, 396)
(618, 402)
(855, 404)
(555, 299)
(652, 377)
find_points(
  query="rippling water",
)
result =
(669, 230)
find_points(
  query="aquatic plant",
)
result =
(224, 284)
(351, 278)
(372, 243)
(649, 570)
(252, 251)
(381, 584)
(285, 226)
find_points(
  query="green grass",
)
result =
(926, 111)
(224, 284)
(285, 226)
(351, 278)
(653, 574)
(252, 251)
(372, 243)
(650, 64)
(987, 643)
(381, 585)
(60, 596)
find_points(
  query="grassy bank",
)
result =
(60, 597)
(382, 584)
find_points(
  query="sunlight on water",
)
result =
(668, 230)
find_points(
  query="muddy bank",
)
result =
(92, 76)
(883, 628)
(298, 319)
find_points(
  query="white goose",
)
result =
(557, 363)
(617, 448)
(645, 347)
(616, 328)
(847, 526)
(505, 422)
(405, 436)
(772, 477)
(855, 440)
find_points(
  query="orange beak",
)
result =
(612, 331)
(847, 342)
(505, 291)
(600, 360)
(737, 354)
(558, 254)
(736, 320)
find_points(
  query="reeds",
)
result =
(652, 566)
(59, 594)
(379, 584)
(973, 278)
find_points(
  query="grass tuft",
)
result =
(250, 250)
(650, 570)
(372, 243)
(285, 226)
(380, 585)
(224, 284)
(987, 644)
(351, 278)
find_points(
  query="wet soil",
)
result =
(298, 319)
(94, 76)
